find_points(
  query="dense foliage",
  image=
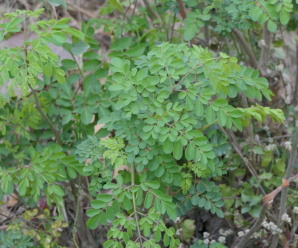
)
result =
(180, 127)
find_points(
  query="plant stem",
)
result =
(244, 241)
(132, 173)
(284, 192)
(38, 107)
(250, 130)
(183, 14)
(151, 12)
(246, 47)
(45, 117)
(77, 197)
(246, 162)
(295, 98)
(265, 49)
(79, 67)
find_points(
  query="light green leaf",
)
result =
(116, 5)
(75, 33)
(190, 31)
(121, 43)
(98, 204)
(168, 146)
(86, 116)
(60, 37)
(56, 3)
(57, 190)
(210, 116)
(272, 27)
(79, 47)
(222, 118)
(148, 200)
(284, 16)
(199, 108)
(162, 196)
(178, 150)
(48, 70)
(189, 152)
(93, 222)
(154, 184)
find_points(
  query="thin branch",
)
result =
(80, 10)
(246, 162)
(206, 34)
(134, 203)
(284, 193)
(173, 27)
(181, 80)
(79, 67)
(77, 198)
(151, 12)
(295, 98)
(38, 107)
(250, 127)
(183, 14)
(246, 47)
(265, 49)
(45, 117)
(244, 241)
(267, 203)
(55, 13)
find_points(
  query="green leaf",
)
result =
(255, 13)
(58, 190)
(91, 65)
(178, 150)
(118, 63)
(171, 211)
(162, 196)
(93, 222)
(48, 70)
(56, 3)
(110, 213)
(115, 206)
(189, 31)
(210, 116)
(101, 73)
(103, 218)
(104, 197)
(199, 108)
(272, 27)
(69, 64)
(75, 33)
(86, 116)
(168, 146)
(222, 118)
(116, 5)
(195, 200)
(121, 43)
(154, 184)
(60, 37)
(92, 212)
(190, 152)
(219, 213)
(284, 16)
(189, 103)
(79, 47)
(98, 204)
(148, 200)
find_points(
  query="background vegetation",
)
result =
(148, 123)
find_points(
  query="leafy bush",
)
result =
(171, 116)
